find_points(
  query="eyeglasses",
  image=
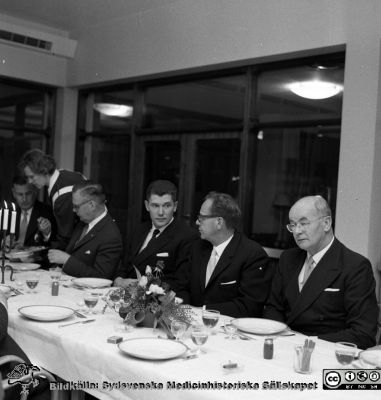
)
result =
(201, 218)
(76, 207)
(303, 225)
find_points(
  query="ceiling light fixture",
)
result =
(316, 89)
(114, 110)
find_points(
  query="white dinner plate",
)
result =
(152, 348)
(371, 357)
(259, 326)
(46, 313)
(24, 266)
(92, 283)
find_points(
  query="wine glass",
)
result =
(178, 329)
(32, 280)
(210, 318)
(345, 352)
(199, 337)
(91, 299)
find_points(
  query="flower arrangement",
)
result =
(149, 298)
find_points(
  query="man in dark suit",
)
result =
(40, 170)
(227, 271)
(322, 288)
(35, 223)
(95, 248)
(162, 243)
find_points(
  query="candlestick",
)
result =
(13, 219)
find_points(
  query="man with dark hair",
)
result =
(35, 223)
(322, 288)
(40, 170)
(95, 248)
(227, 271)
(163, 243)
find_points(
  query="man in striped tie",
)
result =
(322, 288)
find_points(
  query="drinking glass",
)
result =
(199, 337)
(55, 273)
(210, 319)
(31, 281)
(91, 300)
(345, 352)
(178, 329)
(230, 330)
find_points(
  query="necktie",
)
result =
(23, 227)
(211, 265)
(83, 233)
(155, 233)
(307, 271)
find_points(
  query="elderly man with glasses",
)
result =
(227, 271)
(95, 247)
(321, 287)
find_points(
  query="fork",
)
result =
(77, 322)
(80, 315)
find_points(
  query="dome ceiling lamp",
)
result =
(114, 110)
(315, 89)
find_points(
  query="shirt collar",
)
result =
(53, 180)
(163, 227)
(319, 255)
(222, 246)
(96, 220)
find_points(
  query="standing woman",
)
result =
(40, 170)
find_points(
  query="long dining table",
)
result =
(81, 356)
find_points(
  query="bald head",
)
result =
(311, 220)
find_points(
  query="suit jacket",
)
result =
(338, 301)
(175, 242)
(33, 236)
(63, 207)
(98, 253)
(239, 284)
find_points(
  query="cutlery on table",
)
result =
(80, 315)
(77, 322)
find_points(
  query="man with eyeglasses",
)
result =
(322, 288)
(95, 247)
(163, 242)
(41, 171)
(227, 271)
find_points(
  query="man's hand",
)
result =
(58, 256)
(44, 226)
(123, 283)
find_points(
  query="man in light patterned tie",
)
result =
(227, 271)
(321, 288)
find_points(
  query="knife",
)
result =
(77, 322)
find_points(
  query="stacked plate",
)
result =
(46, 313)
(91, 283)
(259, 326)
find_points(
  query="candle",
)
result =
(1, 213)
(5, 216)
(13, 219)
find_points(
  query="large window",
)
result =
(241, 131)
(25, 123)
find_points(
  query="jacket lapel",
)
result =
(323, 274)
(90, 235)
(161, 241)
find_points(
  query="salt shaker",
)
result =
(55, 287)
(268, 349)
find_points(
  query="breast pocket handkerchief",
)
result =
(228, 283)
(162, 255)
(328, 289)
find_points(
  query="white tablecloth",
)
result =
(80, 354)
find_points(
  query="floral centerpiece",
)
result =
(149, 301)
